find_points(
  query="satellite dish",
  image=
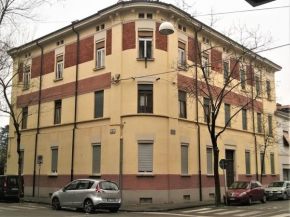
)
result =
(166, 28)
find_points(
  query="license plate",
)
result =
(270, 194)
(13, 189)
(111, 200)
(232, 198)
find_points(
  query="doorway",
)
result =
(231, 167)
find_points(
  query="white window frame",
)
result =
(59, 70)
(145, 46)
(212, 169)
(26, 80)
(204, 63)
(100, 63)
(181, 57)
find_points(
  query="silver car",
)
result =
(278, 190)
(88, 194)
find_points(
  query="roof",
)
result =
(123, 3)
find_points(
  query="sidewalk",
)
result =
(138, 207)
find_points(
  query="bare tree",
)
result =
(226, 83)
(12, 13)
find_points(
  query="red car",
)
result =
(245, 192)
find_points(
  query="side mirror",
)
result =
(63, 189)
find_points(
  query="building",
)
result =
(111, 107)
(283, 129)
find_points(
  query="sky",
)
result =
(274, 21)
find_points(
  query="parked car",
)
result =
(245, 192)
(278, 190)
(9, 187)
(88, 194)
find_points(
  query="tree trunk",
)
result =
(20, 181)
(216, 173)
(263, 164)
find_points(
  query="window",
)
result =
(24, 117)
(72, 185)
(181, 54)
(149, 16)
(270, 125)
(145, 44)
(96, 159)
(268, 90)
(100, 55)
(227, 115)
(184, 29)
(206, 105)
(103, 26)
(57, 112)
(184, 158)
(145, 157)
(179, 26)
(226, 71)
(259, 122)
(22, 160)
(145, 98)
(59, 67)
(97, 28)
(248, 162)
(243, 79)
(54, 159)
(286, 175)
(205, 65)
(26, 77)
(257, 82)
(272, 163)
(262, 162)
(141, 15)
(285, 138)
(244, 116)
(209, 160)
(99, 104)
(182, 103)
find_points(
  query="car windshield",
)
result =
(109, 186)
(240, 185)
(276, 184)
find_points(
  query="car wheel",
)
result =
(89, 206)
(264, 199)
(285, 196)
(250, 201)
(114, 209)
(55, 204)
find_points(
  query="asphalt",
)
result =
(138, 207)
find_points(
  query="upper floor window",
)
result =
(259, 122)
(145, 44)
(257, 83)
(182, 104)
(244, 117)
(57, 112)
(206, 106)
(227, 115)
(205, 65)
(145, 98)
(149, 16)
(181, 54)
(141, 15)
(26, 77)
(100, 55)
(226, 71)
(24, 117)
(59, 67)
(243, 79)
(268, 84)
(99, 104)
(270, 125)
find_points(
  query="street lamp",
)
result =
(166, 28)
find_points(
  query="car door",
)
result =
(12, 186)
(66, 195)
(81, 192)
(260, 191)
(254, 190)
(288, 188)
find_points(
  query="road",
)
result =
(271, 208)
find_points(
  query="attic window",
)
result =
(27, 55)
(97, 28)
(103, 26)
(141, 15)
(225, 50)
(149, 16)
(59, 42)
(205, 40)
(179, 26)
(184, 29)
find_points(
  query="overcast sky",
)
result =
(275, 21)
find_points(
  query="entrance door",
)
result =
(230, 169)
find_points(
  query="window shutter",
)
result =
(184, 159)
(181, 45)
(145, 34)
(145, 157)
(209, 160)
(248, 170)
(99, 104)
(270, 124)
(145, 87)
(22, 162)
(96, 159)
(227, 114)
(272, 164)
(54, 159)
(100, 45)
(182, 96)
(59, 58)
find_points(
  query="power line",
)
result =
(232, 12)
(162, 73)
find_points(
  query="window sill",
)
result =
(52, 175)
(145, 175)
(273, 175)
(264, 175)
(210, 175)
(96, 175)
(249, 175)
(58, 79)
(143, 59)
(25, 88)
(185, 175)
(97, 69)
(183, 68)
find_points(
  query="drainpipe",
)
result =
(253, 120)
(38, 118)
(197, 121)
(76, 100)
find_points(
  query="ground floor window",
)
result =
(286, 174)
(145, 157)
